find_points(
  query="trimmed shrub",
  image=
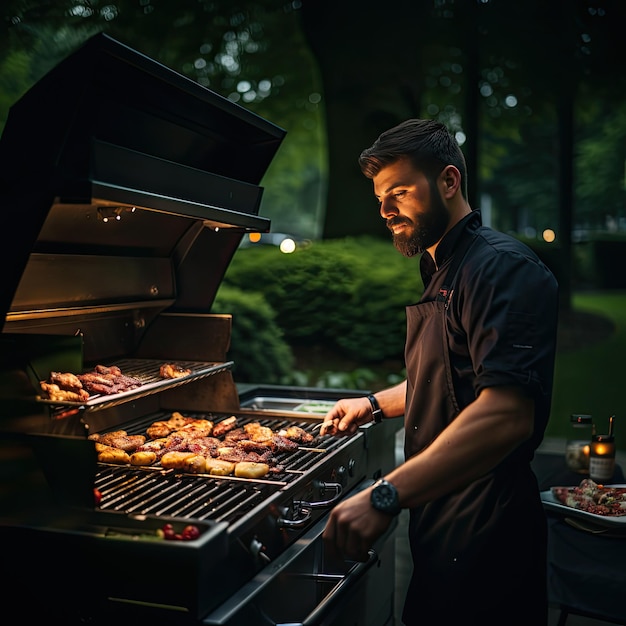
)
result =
(342, 293)
(258, 348)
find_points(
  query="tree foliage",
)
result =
(251, 52)
(335, 74)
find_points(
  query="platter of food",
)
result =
(603, 505)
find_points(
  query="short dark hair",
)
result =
(427, 143)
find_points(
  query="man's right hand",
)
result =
(346, 416)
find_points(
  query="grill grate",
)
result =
(175, 495)
(157, 491)
(147, 371)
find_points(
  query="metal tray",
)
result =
(550, 503)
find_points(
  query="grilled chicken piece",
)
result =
(180, 423)
(276, 445)
(197, 428)
(178, 420)
(256, 432)
(159, 430)
(66, 381)
(297, 434)
(173, 370)
(235, 454)
(56, 394)
(119, 439)
(265, 436)
(108, 370)
(226, 425)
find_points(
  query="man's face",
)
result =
(413, 209)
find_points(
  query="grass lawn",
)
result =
(589, 378)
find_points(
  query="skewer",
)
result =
(312, 449)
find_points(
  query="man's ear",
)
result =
(451, 178)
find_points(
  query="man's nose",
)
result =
(387, 208)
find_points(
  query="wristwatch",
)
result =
(384, 498)
(377, 412)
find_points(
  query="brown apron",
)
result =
(476, 549)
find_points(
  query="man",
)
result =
(479, 358)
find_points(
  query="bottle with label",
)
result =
(578, 444)
(602, 458)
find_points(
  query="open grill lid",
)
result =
(127, 185)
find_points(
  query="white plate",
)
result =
(550, 503)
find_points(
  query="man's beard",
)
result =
(427, 233)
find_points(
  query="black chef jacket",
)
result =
(487, 317)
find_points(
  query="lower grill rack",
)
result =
(166, 494)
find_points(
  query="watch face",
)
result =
(385, 498)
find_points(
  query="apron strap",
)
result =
(459, 254)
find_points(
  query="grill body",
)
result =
(127, 213)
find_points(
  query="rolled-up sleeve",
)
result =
(507, 312)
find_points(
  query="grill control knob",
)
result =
(257, 549)
(341, 474)
(351, 466)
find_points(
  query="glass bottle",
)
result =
(602, 458)
(578, 444)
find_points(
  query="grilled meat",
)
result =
(275, 444)
(159, 430)
(66, 380)
(237, 455)
(178, 423)
(297, 434)
(173, 370)
(192, 445)
(64, 387)
(226, 425)
(108, 370)
(206, 446)
(119, 439)
(107, 380)
(56, 394)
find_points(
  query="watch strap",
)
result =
(377, 413)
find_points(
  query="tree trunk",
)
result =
(369, 85)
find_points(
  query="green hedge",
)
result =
(257, 347)
(348, 294)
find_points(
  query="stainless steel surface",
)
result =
(309, 588)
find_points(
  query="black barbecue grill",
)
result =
(130, 188)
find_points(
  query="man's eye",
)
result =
(399, 194)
